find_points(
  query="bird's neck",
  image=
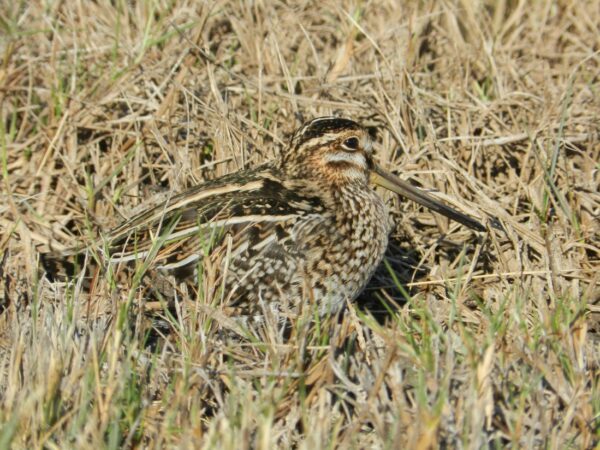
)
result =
(352, 195)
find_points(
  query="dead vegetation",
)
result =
(106, 106)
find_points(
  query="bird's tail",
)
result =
(65, 266)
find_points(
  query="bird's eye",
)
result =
(351, 143)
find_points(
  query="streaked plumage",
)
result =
(305, 227)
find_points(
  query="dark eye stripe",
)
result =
(351, 143)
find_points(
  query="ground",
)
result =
(462, 340)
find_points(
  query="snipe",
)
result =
(305, 227)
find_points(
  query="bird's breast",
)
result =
(346, 252)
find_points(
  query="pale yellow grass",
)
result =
(106, 106)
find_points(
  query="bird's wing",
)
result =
(249, 206)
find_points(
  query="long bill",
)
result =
(403, 188)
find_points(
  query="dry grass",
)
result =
(106, 105)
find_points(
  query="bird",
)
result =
(306, 227)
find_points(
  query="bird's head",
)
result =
(330, 149)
